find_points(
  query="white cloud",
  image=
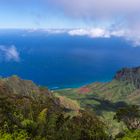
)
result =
(49, 31)
(99, 32)
(9, 53)
(55, 31)
(108, 33)
(94, 32)
(90, 32)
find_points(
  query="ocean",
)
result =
(64, 61)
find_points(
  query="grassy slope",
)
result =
(97, 95)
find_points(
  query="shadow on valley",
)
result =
(104, 105)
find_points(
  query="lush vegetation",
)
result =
(131, 117)
(99, 111)
(37, 121)
(33, 113)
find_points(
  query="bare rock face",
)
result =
(129, 75)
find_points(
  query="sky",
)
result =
(89, 17)
(34, 14)
(68, 13)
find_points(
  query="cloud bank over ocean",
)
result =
(120, 17)
(98, 32)
(94, 18)
(9, 53)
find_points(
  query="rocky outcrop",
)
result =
(129, 75)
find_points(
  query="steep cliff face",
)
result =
(129, 75)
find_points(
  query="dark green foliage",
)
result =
(50, 126)
(86, 126)
(130, 116)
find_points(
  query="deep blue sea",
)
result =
(60, 60)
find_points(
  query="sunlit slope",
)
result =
(124, 88)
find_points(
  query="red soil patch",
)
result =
(84, 90)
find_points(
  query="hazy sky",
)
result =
(68, 13)
(104, 17)
(35, 14)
